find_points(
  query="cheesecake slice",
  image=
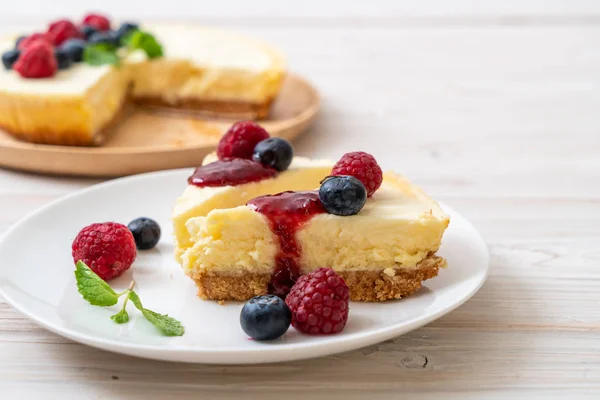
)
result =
(250, 246)
(203, 69)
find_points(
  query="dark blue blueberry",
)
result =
(343, 195)
(265, 317)
(19, 40)
(87, 31)
(125, 28)
(10, 57)
(74, 48)
(107, 37)
(63, 60)
(146, 233)
(274, 152)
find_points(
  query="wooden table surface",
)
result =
(493, 109)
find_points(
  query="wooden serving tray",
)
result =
(150, 140)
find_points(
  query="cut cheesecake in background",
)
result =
(202, 69)
(235, 247)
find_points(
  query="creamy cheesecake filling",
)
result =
(398, 228)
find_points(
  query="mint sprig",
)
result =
(93, 288)
(140, 40)
(101, 54)
(98, 293)
(104, 53)
(167, 325)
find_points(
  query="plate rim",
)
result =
(296, 351)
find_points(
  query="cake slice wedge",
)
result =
(384, 252)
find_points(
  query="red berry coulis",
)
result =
(233, 172)
(287, 212)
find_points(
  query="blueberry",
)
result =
(108, 37)
(125, 28)
(74, 48)
(343, 195)
(265, 317)
(19, 40)
(10, 57)
(63, 59)
(274, 152)
(87, 31)
(146, 232)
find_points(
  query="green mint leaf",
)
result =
(144, 41)
(126, 38)
(121, 317)
(101, 54)
(167, 325)
(93, 288)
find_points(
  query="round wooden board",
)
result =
(147, 140)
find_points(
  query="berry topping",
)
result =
(239, 141)
(319, 302)
(363, 167)
(146, 232)
(62, 30)
(10, 57)
(100, 22)
(63, 60)
(29, 40)
(106, 37)
(126, 27)
(74, 48)
(87, 31)
(231, 172)
(287, 212)
(265, 317)
(274, 152)
(36, 61)
(343, 195)
(107, 248)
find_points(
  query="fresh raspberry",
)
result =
(107, 248)
(34, 38)
(319, 302)
(97, 21)
(239, 141)
(363, 167)
(36, 61)
(61, 31)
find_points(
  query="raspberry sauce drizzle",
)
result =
(233, 172)
(287, 212)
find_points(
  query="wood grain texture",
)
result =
(497, 117)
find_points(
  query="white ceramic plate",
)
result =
(36, 277)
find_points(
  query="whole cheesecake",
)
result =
(201, 68)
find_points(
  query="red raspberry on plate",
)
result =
(34, 38)
(239, 141)
(319, 302)
(62, 30)
(36, 61)
(97, 21)
(107, 248)
(363, 167)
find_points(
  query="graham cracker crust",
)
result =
(229, 108)
(364, 285)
